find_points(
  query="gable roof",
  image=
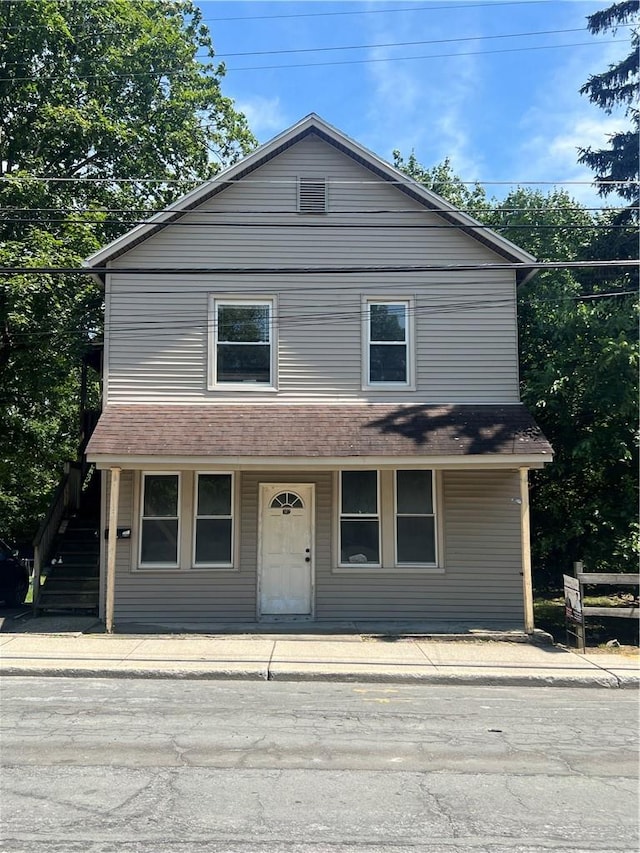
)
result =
(313, 124)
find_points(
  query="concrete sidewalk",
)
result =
(391, 658)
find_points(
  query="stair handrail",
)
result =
(66, 499)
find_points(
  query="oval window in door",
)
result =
(286, 500)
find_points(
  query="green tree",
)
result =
(126, 97)
(441, 179)
(578, 370)
(617, 87)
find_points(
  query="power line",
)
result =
(338, 270)
(408, 182)
(179, 71)
(286, 320)
(402, 43)
(323, 225)
(450, 7)
(64, 211)
(184, 320)
(427, 56)
(455, 7)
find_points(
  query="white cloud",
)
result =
(408, 104)
(264, 115)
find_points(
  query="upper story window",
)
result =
(312, 195)
(243, 347)
(388, 353)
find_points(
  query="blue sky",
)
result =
(505, 115)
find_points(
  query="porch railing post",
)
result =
(111, 548)
(527, 579)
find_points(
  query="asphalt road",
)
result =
(186, 767)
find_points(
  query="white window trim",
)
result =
(216, 300)
(387, 528)
(215, 566)
(434, 514)
(141, 517)
(409, 302)
(359, 567)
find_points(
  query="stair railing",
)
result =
(65, 501)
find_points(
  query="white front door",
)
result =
(286, 549)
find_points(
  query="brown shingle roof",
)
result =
(316, 431)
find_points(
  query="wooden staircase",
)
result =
(70, 578)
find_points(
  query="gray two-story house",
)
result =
(311, 405)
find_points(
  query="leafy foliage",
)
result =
(617, 87)
(578, 369)
(98, 90)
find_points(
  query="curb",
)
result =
(602, 679)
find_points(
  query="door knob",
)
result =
(307, 559)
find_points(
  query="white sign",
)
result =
(572, 602)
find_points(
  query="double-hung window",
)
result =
(243, 352)
(359, 518)
(415, 518)
(213, 535)
(388, 356)
(160, 520)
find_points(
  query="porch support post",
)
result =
(527, 580)
(111, 548)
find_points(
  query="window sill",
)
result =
(389, 386)
(388, 570)
(241, 386)
(178, 570)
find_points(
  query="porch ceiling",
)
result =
(318, 432)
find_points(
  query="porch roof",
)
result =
(290, 432)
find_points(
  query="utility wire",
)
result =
(288, 320)
(455, 7)
(352, 270)
(178, 71)
(335, 226)
(297, 15)
(68, 211)
(408, 182)
(457, 40)
(427, 56)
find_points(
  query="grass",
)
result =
(549, 615)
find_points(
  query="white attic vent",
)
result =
(312, 195)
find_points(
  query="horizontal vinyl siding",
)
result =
(166, 596)
(481, 583)
(482, 559)
(466, 345)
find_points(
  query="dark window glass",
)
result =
(414, 495)
(388, 322)
(160, 495)
(359, 492)
(244, 363)
(159, 540)
(213, 540)
(359, 541)
(214, 494)
(243, 323)
(416, 539)
(388, 363)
